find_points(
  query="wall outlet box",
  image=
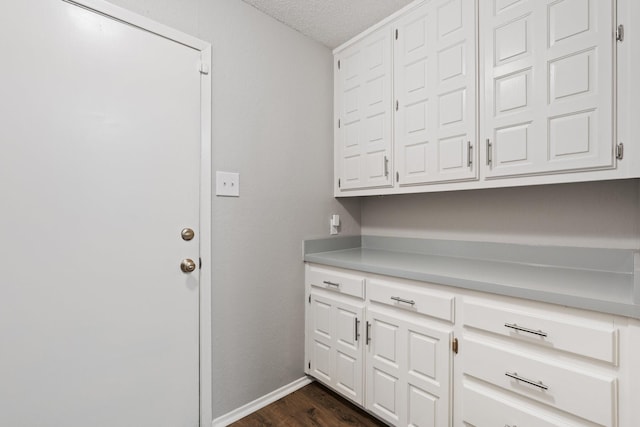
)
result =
(334, 224)
(227, 184)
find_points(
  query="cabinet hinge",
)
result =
(338, 64)
(620, 151)
(620, 33)
(396, 34)
(454, 345)
(204, 68)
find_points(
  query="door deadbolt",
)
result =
(187, 234)
(187, 265)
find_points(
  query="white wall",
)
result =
(272, 122)
(598, 214)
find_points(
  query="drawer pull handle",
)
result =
(406, 301)
(517, 377)
(357, 329)
(527, 330)
(368, 333)
(328, 283)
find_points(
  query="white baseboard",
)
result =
(261, 402)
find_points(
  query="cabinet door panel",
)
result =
(428, 378)
(363, 106)
(434, 81)
(336, 350)
(384, 363)
(547, 72)
(408, 371)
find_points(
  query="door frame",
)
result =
(130, 18)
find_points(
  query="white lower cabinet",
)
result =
(394, 345)
(388, 345)
(538, 364)
(408, 370)
(334, 322)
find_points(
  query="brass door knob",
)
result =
(187, 265)
(187, 234)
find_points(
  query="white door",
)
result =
(99, 173)
(435, 89)
(336, 345)
(548, 86)
(363, 105)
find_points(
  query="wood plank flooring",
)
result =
(313, 405)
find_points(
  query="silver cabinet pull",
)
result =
(368, 333)
(386, 166)
(328, 283)
(489, 159)
(517, 377)
(527, 330)
(406, 301)
(357, 329)
(469, 153)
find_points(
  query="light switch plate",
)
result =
(227, 184)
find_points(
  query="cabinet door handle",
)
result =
(489, 159)
(527, 330)
(357, 329)
(328, 283)
(386, 166)
(469, 153)
(368, 333)
(406, 301)
(517, 377)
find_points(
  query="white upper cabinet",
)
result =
(363, 98)
(548, 86)
(462, 94)
(435, 90)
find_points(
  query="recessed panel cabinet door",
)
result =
(363, 107)
(435, 89)
(408, 371)
(547, 73)
(336, 349)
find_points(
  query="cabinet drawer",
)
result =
(412, 298)
(487, 409)
(587, 395)
(596, 341)
(337, 281)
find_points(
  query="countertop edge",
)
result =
(332, 258)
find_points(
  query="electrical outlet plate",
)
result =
(334, 224)
(227, 184)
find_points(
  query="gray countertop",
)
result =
(589, 278)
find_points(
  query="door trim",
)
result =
(125, 16)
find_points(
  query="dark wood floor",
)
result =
(313, 405)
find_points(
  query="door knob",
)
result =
(187, 265)
(187, 234)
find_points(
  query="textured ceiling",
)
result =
(331, 22)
